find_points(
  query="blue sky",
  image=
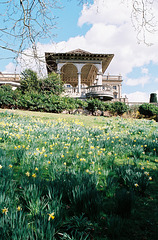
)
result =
(104, 26)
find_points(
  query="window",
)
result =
(114, 87)
(115, 95)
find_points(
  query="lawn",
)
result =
(77, 177)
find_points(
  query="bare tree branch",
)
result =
(27, 22)
(143, 19)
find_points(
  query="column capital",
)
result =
(99, 73)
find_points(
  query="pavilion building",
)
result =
(83, 74)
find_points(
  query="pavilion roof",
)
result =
(79, 55)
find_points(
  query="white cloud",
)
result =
(111, 32)
(137, 81)
(156, 79)
(137, 97)
(11, 68)
(144, 70)
(110, 12)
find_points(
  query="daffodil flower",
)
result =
(5, 210)
(51, 216)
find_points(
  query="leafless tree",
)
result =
(143, 19)
(25, 22)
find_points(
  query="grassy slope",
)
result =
(87, 120)
(143, 224)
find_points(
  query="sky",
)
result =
(105, 26)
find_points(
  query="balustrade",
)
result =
(97, 89)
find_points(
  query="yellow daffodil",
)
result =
(34, 175)
(19, 208)
(5, 210)
(51, 216)
(27, 174)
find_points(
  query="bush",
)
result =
(119, 108)
(153, 98)
(52, 84)
(148, 109)
(29, 81)
(95, 104)
(7, 96)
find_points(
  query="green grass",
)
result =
(86, 120)
(81, 177)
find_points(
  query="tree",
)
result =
(29, 81)
(28, 21)
(49, 85)
(143, 18)
(52, 84)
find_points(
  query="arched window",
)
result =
(115, 95)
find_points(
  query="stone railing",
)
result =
(6, 77)
(112, 78)
(11, 79)
(94, 91)
(100, 88)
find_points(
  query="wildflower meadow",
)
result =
(63, 179)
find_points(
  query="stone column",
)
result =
(99, 75)
(79, 82)
(119, 91)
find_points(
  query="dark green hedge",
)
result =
(148, 109)
(44, 102)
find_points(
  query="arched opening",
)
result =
(89, 74)
(115, 95)
(69, 74)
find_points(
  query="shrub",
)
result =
(119, 108)
(29, 81)
(95, 104)
(148, 109)
(7, 96)
(52, 84)
(153, 98)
